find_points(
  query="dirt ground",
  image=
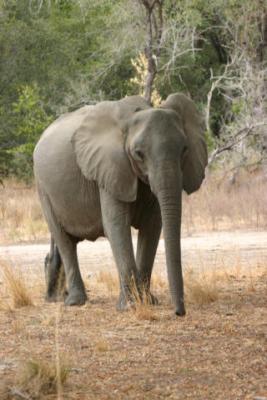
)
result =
(217, 351)
(204, 250)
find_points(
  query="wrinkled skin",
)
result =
(105, 168)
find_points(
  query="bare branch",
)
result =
(239, 137)
(19, 394)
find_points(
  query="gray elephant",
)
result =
(104, 168)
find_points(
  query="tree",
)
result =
(242, 83)
(78, 52)
(30, 121)
(154, 27)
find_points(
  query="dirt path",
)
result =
(206, 250)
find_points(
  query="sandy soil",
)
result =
(217, 351)
(206, 250)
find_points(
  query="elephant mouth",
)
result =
(145, 179)
(138, 171)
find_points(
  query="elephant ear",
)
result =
(196, 158)
(100, 154)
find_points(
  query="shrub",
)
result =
(31, 119)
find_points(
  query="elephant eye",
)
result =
(185, 150)
(183, 158)
(139, 155)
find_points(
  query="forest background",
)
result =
(57, 55)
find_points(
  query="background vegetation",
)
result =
(59, 54)
(56, 55)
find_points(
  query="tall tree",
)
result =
(154, 27)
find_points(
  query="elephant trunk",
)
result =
(169, 194)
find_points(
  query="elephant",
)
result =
(105, 168)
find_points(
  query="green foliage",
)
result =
(31, 114)
(56, 54)
(210, 140)
(30, 120)
(238, 106)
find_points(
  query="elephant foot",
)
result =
(126, 301)
(56, 297)
(121, 306)
(52, 298)
(76, 298)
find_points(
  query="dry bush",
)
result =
(38, 378)
(224, 203)
(109, 280)
(34, 380)
(20, 213)
(102, 345)
(16, 287)
(4, 305)
(159, 282)
(142, 306)
(145, 312)
(201, 287)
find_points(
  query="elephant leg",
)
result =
(54, 274)
(67, 248)
(148, 238)
(75, 286)
(117, 228)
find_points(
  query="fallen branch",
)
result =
(16, 392)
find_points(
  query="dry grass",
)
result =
(159, 282)
(218, 205)
(222, 205)
(37, 377)
(108, 280)
(15, 287)
(4, 304)
(43, 374)
(215, 351)
(201, 287)
(21, 216)
(142, 310)
(145, 312)
(34, 380)
(102, 345)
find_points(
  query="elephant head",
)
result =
(120, 142)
